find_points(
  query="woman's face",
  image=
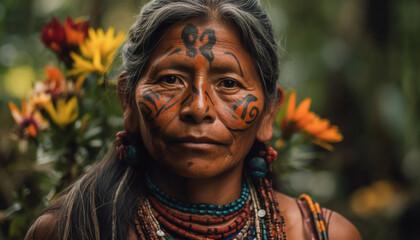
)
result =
(200, 102)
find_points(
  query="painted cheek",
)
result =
(156, 108)
(242, 114)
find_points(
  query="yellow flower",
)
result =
(300, 119)
(64, 112)
(29, 122)
(97, 53)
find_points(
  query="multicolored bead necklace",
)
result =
(160, 216)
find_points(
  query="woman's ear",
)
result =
(130, 113)
(265, 131)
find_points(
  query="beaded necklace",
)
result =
(159, 216)
(200, 209)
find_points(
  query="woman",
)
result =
(199, 96)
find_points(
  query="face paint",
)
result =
(200, 101)
(245, 112)
(190, 35)
(152, 105)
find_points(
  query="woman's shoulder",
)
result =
(338, 226)
(45, 225)
(42, 228)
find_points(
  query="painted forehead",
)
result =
(205, 39)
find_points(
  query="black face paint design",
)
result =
(152, 105)
(175, 51)
(208, 96)
(239, 65)
(189, 36)
(243, 114)
(206, 49)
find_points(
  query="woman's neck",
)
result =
(221, 189)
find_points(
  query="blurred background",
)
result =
(358, 60)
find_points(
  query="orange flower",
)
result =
(29, 122)
(76, 31)
(300, 119)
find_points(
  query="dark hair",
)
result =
(102, 203)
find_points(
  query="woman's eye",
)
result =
(169, 79)
(229, 83)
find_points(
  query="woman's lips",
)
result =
(203, 143)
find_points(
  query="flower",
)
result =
(97, 53)
(55, 83)
(53, 35)
(300, 119)
(64, 40)
(29, 122)
(52, 87)
(76, 31)
(64, 112)
(38, 100)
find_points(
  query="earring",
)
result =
(126, 151)
(262, 156)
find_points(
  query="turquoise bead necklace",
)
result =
(201, 209)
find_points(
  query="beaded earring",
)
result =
(260, 158)
(126, 150)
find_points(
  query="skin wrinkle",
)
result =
(202, 93)
(189, 35)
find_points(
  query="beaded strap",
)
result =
(318, 222)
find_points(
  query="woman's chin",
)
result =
(199, 168)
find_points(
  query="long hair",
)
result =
(101, 204)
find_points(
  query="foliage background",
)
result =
(357, 59)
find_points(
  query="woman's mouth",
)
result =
(198, 143)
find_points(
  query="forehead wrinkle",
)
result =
(184, 64)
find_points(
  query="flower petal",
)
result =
(302, 110)
(291, 106)
(16, 114)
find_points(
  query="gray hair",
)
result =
(249, 17)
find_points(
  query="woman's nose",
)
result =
(197, 106)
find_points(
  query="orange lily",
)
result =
(29, 122)
(300, 119)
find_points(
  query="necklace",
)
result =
(200, 209)
(160, 216)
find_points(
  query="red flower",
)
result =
(64, 40)
(53, 35)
